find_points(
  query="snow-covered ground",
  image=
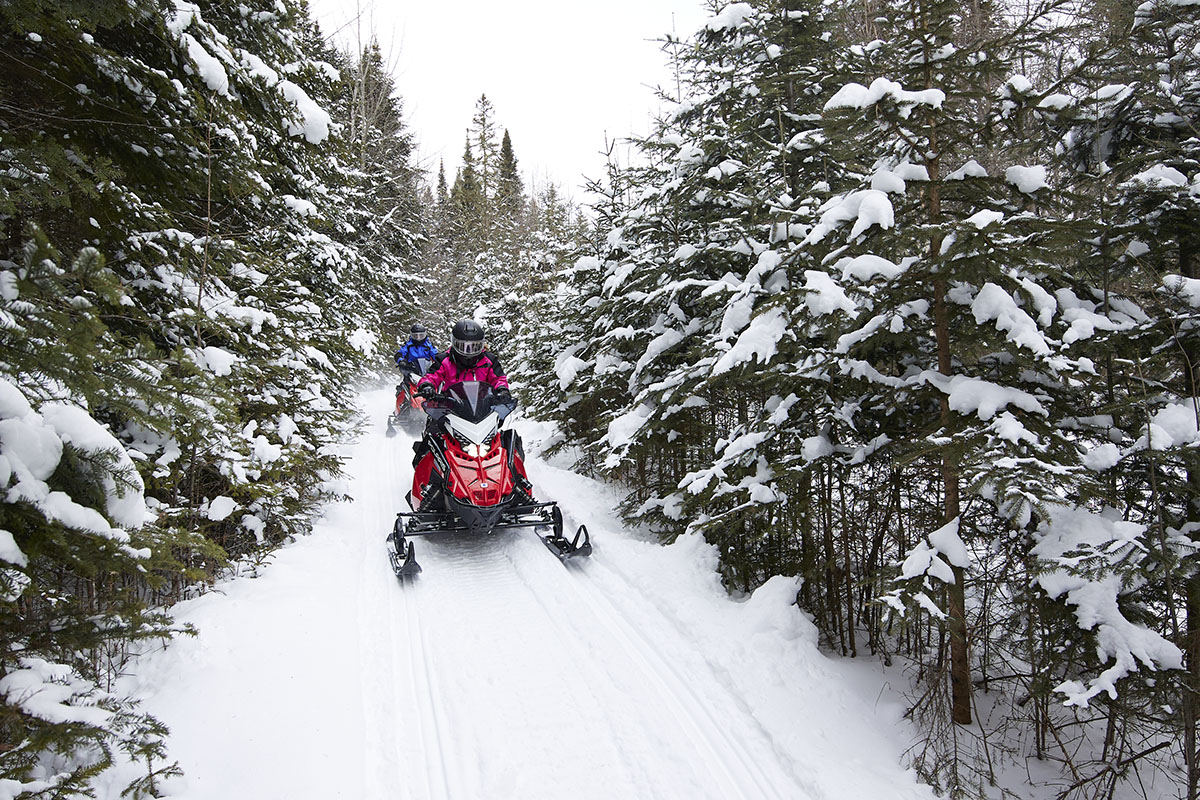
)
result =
(500, 673)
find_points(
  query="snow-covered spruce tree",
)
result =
(510, 206)
(386, 214)
(191, 147)
(76, 563)
(690, 324)
(1133, 141)
(959, 331)
(961, 276)
(464, 222)
(264, 317)
(483, 136)
(756, 493)
(437, 261)
(470, 220)
(559, 279)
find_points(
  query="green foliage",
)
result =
(882, 268)
(252, 195)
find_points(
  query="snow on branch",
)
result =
(857, 96)
(1082, 554)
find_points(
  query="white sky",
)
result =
(560, 75)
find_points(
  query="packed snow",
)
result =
(500, 673)
(314, 122)
(992, 303)
(32, 444)
(759, 341)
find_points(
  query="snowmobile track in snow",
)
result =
(422, 679)
(590, 585)
(686, 706)
(424, 686)
(725, 759)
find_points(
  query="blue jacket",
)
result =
(411, 351)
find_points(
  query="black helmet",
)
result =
(418, 333)
(466, 342)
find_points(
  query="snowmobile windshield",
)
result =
(469, 413)
(423, 365)
(470, 401)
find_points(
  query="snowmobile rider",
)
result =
(465, 361)
(417, 346)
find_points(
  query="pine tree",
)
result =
(386, 210)
(510, 207)
(483, 136)
(192, 146)
(1132, 142)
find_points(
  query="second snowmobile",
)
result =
(473, 480)
(408, 403)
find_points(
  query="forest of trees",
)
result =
(493, 244)
(206, 214)
(900, 297)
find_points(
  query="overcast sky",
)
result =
(560, 74)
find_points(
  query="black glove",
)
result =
(426, 390)
(503, 395)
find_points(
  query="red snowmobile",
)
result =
(408, 403)
(473, 480)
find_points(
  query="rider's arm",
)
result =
(495, 374)
(436, 376)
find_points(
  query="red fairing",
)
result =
(482, 480)
(421, 478)
(408, 398)
(479, 480)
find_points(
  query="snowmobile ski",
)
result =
(567, 549)
(563, 548)
(402, 553)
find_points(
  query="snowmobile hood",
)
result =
(469, 432)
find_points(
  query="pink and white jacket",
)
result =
(448, 373)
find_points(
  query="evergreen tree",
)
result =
(510, 206)
(1132, 142)
(386, 212)
(190, 385)
(483, 136)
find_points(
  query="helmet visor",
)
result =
(418, 336)
(467, 347)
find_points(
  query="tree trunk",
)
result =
(956, 622)
(1191, 696)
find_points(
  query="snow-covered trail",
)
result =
(500, 673)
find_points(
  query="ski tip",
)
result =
(567, 550)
